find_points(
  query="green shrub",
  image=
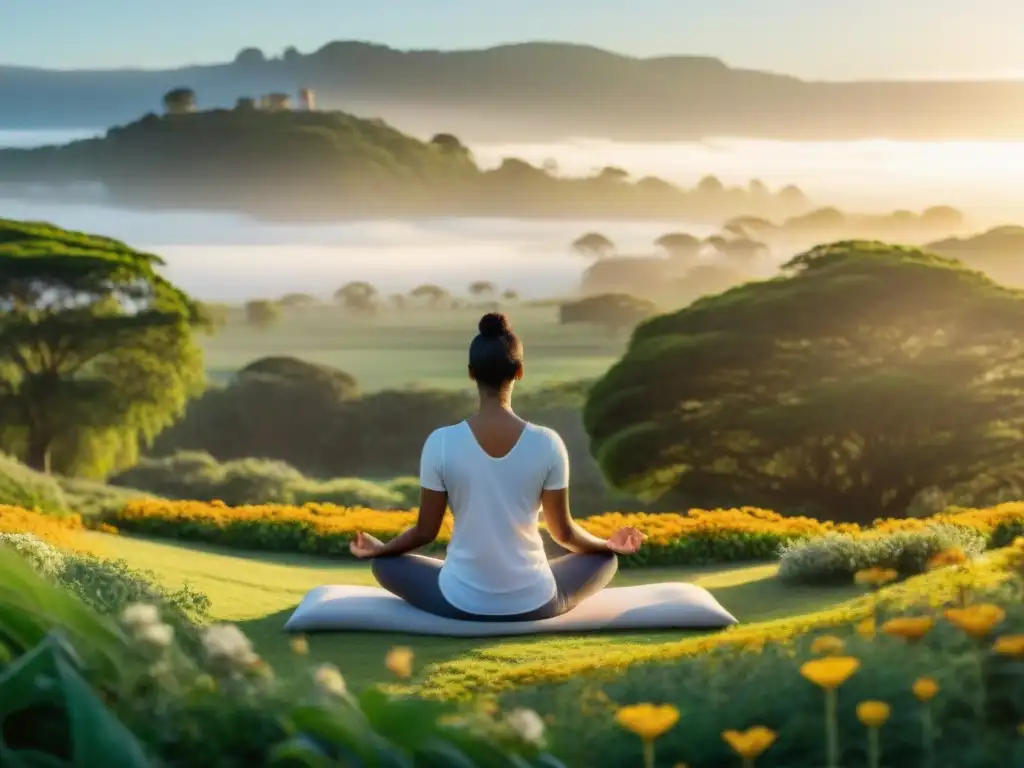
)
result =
(107, 586)
(260, 480)
(90, 498)
(1005, 532)
(24, 487)
(354, 492)
(835, 558)
(197, 476)
(408, 489)
(191, 474)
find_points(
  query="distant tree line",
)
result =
(265, 158)
(364, 299)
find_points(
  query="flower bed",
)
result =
(693, 538)
(61, 531)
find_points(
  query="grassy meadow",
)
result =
(258, 591)
(417, 346)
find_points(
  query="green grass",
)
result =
(259, 591)
(399, 348)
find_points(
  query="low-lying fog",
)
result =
(227, 257)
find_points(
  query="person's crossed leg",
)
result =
(416, 579)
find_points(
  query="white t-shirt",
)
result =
(496, 563)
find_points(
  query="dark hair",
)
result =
(496, 354)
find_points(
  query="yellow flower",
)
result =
(875, 576)
(831, 672)
(1018, 543)
(750, 743)
(300, 645)
(954, 556)
(911, 628)
(1009, 645)
(873, 714)
(826, 645)
(399, 661)
(976, 620)
(648, 721)
(488, 706)
(925, 689)
(866, 629)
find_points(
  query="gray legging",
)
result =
(415, 579)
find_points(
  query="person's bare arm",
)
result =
(432, 508)
(563, 529)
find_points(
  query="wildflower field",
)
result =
(927, 671)
(884, 670)
(691, 538)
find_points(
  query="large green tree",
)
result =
(860, 376)
(96, 349)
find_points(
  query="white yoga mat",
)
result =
(646, 606)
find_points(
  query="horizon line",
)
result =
(931, 78)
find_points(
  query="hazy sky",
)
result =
(828, 39)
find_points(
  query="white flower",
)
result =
(227, 645)
(528, 724)
(156, 636)
(40, 555)
(139, 615)
(329, 680)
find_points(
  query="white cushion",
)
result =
(646, 606)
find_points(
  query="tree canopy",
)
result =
(262, 313)
(594, 245)
(482, 288)
(357, 296)
(179, 101)
(96, 349)
(615, 312)
(432, 294)
(862, 375)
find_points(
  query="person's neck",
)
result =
(494, 402)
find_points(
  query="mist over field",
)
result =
(229, 257)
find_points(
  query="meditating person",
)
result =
(497, 472)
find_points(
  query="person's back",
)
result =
(497, 473)
(496, 563)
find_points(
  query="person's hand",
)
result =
(626, 541)
(364, 545)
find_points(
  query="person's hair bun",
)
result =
(494, 324)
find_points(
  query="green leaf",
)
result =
(294, 753)
(46, 677)
(406, 721)
(439, 754)
(345, 729)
